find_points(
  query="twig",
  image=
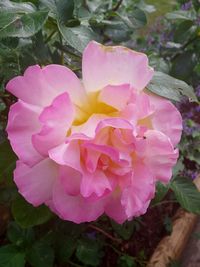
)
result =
(105, 233)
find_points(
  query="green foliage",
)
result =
(77, 37)
(89, 251)
(169, 87)
(10, 256)
(126, 229)
(126, 261)
(161, 191)
(41, 254)
(26, 215)
(7, 162)
(187, 194)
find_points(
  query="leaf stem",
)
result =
(115, 8)
(49, 37)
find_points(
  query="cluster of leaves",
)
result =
(57, 31)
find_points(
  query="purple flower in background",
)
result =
(192, 174)
(186, 6)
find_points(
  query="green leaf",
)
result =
(88, 252)
(41, 254)
(161, 191)
(20, 237)
(124, 230)
(13, 7)
(182, 31)
(186, 194)
(181, 14)
(26, 215)
(65, 10)
(169, 87)
(135, 20)
(77, 37)
(126, 261)
(183, 66)
(65, 248)
(10, 256)
(25, 25)
(8, 159)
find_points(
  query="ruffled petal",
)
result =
(39, 86)
(106, 65)
(96, 183)
(67, 154)
(136, 198)
(36, 184)
(159, 155)
(56, 119)
(22, 124)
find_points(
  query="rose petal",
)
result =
(121, 95)
(76, 208)
(114, 208)
(166, 118)
(160, 155)
(36, 184)
(70, 180)
(22, 124)
(67, 154)
(105, 65)
(56, 120)
(39, 86)
(136, 198)
(96, 183)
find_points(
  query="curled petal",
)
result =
(136, 198)
(96, 183)
(56, 119)
(39, 86)
(67, 154)
(160, 155)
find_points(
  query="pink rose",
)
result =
(96, 145)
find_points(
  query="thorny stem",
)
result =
(105, 233)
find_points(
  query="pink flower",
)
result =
(96, 145)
